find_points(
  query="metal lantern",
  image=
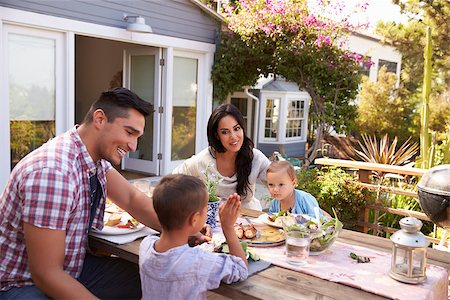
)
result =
(409, 252)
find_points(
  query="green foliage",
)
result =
(409, 40)
(334, 188)
(392, 220)
(27, 136)
(236, 65)
(308, 180)
(381, 111)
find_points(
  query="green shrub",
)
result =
(308, 181)
(334, 188)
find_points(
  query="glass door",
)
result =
(33, 98)
(143, 76)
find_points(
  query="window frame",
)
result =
(285, 98)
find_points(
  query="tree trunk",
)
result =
(311, 153)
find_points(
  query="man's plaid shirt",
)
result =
(49, 188)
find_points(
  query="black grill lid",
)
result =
(436, 181)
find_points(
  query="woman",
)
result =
(230, 157)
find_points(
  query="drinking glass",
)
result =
(297, 247)
(142, 185)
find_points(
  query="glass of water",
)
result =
(297, 247)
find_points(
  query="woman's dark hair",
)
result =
(116, 102)
(177, 197)
(244, 157)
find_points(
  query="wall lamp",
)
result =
(138, 24)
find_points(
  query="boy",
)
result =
(169, 268)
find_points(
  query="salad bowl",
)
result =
(322, 235)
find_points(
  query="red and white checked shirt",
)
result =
(49, 188)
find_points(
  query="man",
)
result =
(57, 193)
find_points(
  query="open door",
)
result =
(142, 75)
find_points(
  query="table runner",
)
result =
(336, 265)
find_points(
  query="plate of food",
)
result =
(282, 219)
(261, 237)
(119, 223)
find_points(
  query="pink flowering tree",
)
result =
(288, 38)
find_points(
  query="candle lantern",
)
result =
(409, 252)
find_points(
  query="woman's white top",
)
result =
(204, 163)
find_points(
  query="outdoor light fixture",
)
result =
(138, 25)
(409, 252)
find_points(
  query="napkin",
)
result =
(125, 238)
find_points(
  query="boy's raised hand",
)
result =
(229, 211)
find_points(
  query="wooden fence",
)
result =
(364, 170)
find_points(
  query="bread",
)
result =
(114, 219)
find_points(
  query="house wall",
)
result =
(290, 150)
(372, 47)
(174, 18)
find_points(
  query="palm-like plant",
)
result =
(383, 152)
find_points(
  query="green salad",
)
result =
(323, 238)
(223, 248)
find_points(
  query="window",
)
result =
(241, 104)
(390, 65)
(285, 119)
(272, 115)
(184, 115)
(295, 118)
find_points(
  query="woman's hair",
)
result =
(244, 157)
(116, 103)
(282, 166)
(177, 197)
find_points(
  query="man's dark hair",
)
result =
(244, 157)
(176, 198)
(116, 102)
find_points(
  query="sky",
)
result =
(380, 10)
(376, 10)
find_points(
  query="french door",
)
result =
(142, 75)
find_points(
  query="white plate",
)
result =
(264, 218)
(114, 230)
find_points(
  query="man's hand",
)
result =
(203, 236)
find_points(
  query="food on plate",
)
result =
(223, 248)
(239, 229)
(273, 217)
(249, 231)
(245, 231)
(281, 219)
(271, 235)
(113, 219)
(129, 224)
(285, 221)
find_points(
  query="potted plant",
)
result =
(211, 182)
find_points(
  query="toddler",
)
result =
(281, 181)
(169, 268)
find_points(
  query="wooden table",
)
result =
(280, 283)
